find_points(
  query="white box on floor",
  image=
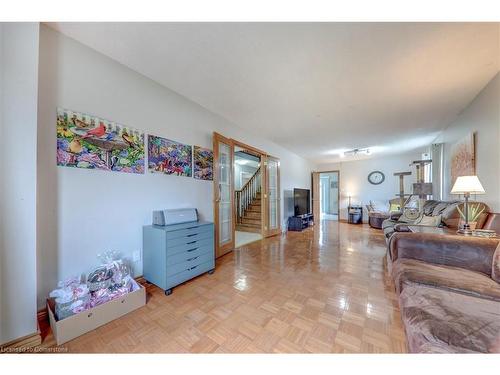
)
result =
(76, 325)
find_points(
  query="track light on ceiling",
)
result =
(357, 151)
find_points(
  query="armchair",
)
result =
(378, 212)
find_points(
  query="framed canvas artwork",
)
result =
(90, 142)
(463, 157)
(169, 157)
(203, 160)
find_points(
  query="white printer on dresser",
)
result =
(177, 248)
(177, 216)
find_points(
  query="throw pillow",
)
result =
(404, 219)
(412, 202)
(394, 207)
(438, 210)
(429, 207)
(450, 215)
(430, 221)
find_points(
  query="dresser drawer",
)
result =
(173, 254)
(190, 263)
(184, 256)
(192, 245)
(189, 239)
(189, 274)
(189, 231)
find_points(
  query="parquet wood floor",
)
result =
(324, 290)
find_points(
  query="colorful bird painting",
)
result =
(75, 146)
(79, 123)
(114, 161)
(91, 142)
(96, 132)
(129, 139)
(110, 136)
(169, 157)
(202, 163)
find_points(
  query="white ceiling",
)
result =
(314, 88)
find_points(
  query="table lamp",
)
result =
(349, 198)
(467, 185)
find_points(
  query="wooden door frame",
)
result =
(262, 155)
(253, 150)
(264, 217)
(338, 192)
(267, 232)
(220, 251)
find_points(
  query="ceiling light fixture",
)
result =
(357, 151)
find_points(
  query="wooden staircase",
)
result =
(248, 205)
(250, 221)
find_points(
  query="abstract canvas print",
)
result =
(169, 157)
(463, 158)
(85, 141)
(203, 160)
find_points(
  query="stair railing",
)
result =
(244, 197)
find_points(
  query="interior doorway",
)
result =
(329, 195)
(326, 195)
(246, 194)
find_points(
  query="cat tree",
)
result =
(420, 188)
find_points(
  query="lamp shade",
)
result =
(467, 184)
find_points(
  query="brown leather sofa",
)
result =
(450, 217)
(449, 290)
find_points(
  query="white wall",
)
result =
(354, 179)
(238, 169)
(481, 116)
(84, 212)
(18, 130)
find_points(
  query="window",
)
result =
(427, 167)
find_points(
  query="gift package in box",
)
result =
(81, 304)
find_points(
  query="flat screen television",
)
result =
(301, 201)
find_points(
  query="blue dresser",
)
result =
(173, 254)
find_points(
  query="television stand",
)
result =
(301, 222)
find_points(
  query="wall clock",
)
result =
(376, 178)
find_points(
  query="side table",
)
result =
(355, 215)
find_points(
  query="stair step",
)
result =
(248, 228)
(254, 204)
(252, 214)
(250, 224)
(254, 208)
(249, 220)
